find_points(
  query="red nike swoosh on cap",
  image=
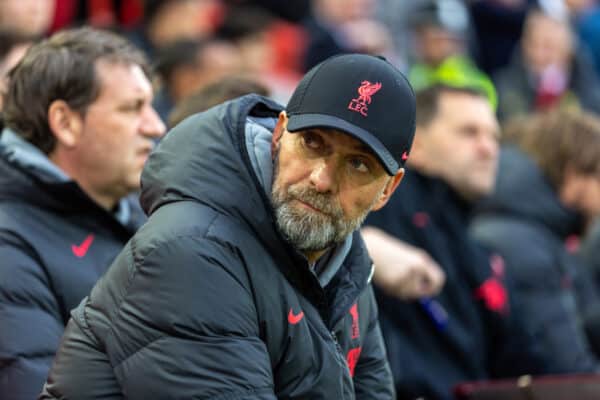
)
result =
(82, 249)
(295, 318)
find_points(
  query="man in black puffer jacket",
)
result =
(80, 126)
(249, 280)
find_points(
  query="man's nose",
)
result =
(152, 125)
(488, 145)
(323, 177)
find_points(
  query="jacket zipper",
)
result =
(341, 358)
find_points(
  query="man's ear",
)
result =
(389, 189)
(65, 123)
(278, 132)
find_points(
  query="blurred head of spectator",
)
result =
(185, 66)
(565, 144)
(248, 28)
(171, 20)
(341, 11)
(457, 139)
(26, 17)
(83, 97)
(548, 72)
(215, 93)
(339, 26)
(356, 27)
(12, 48)
(168, 21)
(262, 40)
(547, 44)
(440, 28)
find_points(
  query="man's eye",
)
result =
(359, 165)
(312, 141)
(133, 107)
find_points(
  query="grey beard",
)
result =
(309, 230)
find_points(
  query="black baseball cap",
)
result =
(362, 95)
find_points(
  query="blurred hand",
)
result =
(402, 270)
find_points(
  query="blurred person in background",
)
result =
(548, 187)
(29, 18)
(80, 126)
(185, 66)
(547, 71)
(585, 17)
(440, 30)
(12, 48)
(227, 88)
(253, 31)
(343, 26)
(497, 28)
(167, 21)
(468, 331)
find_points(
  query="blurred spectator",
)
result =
(215, 93)
(252, 30)
(12, 48)
(167, 21)
(466, 332)
(497, 25)
(248, 28)
(545, 185)
(585, 15)
(547, 71)
(440, 29)
(79, 128)
(343, 26)
(29, 18)
(185, 66)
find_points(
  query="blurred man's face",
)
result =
(435, 44)
(117, 132)
(27, 17)
(546, 43)
(460, 144)
(581, 192)
(325, 183)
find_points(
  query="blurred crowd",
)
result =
(487, 259)
(536, 54)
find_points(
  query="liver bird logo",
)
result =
(365, 91)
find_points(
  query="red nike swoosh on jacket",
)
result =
(82, 249)
(294, 319)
